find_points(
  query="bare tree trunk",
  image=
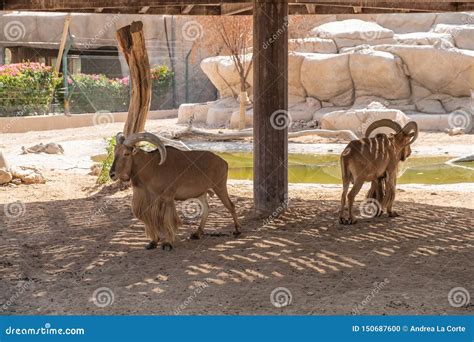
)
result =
(131, 41)
(243, 104)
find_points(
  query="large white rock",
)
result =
(295, 87)
(304, 110)
(222, 73)
(425, 38)
(413, 22)
(442, 71)
(358, 120)
(220, 112)
(463, 34)
(235, 118)
(378, 73)
(188, 110)
(430, 106)
(312, 44)
(327, 78)
(353, 32)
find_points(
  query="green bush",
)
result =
(29, 88)
(114, 94)
(107, 163)
(26, 88)
(103, 93)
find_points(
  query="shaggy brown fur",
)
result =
(167, 174)
(375, 160)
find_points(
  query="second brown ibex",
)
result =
(375, 160)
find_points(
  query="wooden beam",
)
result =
(175, 6)
(144, 9)
(270, 96)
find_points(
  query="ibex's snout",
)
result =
(112, 174)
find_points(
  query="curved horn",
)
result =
(411, 126)
(383, 123)
(119, 138)
(132, 139)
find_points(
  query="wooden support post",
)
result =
(270, 119)
(132, 44)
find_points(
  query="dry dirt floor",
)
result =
(71, 238)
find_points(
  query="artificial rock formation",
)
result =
(346, 65)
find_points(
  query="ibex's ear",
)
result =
(135, 150)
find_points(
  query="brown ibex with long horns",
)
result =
(164, 175)
(375, 160)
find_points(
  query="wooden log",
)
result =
(270, 93)
(346, 135)
(132, 44)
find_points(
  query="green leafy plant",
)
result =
(107, 162)
(26, 88)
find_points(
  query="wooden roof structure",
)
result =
(270, 72)
(235, 7)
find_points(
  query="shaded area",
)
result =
(65, 250)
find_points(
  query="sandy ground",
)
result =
(72, 238)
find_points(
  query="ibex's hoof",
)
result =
(347, 221)
(236, 234)
(195, 236)
(393, 214)
(151, 245)
(167, 246)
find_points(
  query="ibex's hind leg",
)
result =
(221, 192)
(205, 213)
(345, 189)
(351, 197)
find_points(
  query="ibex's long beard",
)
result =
(160, 217)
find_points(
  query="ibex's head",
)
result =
(124, 151)
(403, 137)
